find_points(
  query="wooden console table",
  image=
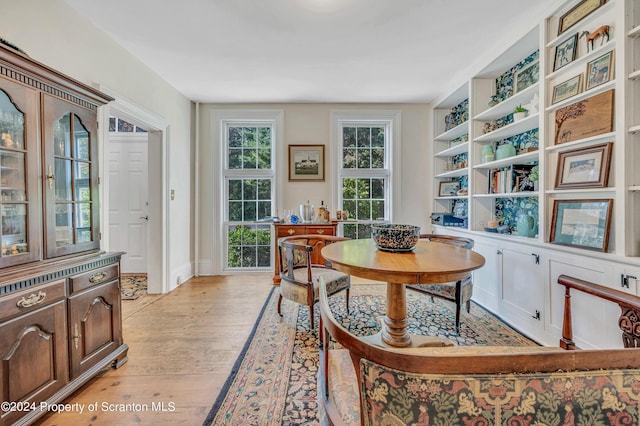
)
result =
(288, 229)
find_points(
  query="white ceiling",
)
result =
(312, 50)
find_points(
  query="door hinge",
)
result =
(624, 280)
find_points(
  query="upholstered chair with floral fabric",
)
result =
(299, 276)
(362, 383)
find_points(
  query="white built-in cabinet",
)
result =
(519, 279)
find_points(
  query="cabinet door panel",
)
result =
(19, 206)
(34, 356)
(94, 324)
(486, 280)
(71, 174)
(523, 284)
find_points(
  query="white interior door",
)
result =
(128, 199)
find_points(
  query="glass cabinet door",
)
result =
(71, 178)
(18, 186)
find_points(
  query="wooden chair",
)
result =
(459, 292)
(364, 384)
(299, 275)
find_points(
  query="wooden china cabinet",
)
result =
(60, 308)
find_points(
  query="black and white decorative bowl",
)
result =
(395, 238)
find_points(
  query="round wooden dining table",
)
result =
(430, 262)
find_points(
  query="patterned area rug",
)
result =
(133, 286)
(274, 379)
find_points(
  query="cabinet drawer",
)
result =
(286, 231)
(32, 298)
(321, 230)
(95, 277)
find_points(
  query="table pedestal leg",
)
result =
(394, 330)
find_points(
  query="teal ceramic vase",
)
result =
(526, 226)
(505, 150)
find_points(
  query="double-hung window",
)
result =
(365, 175)
(249, 180)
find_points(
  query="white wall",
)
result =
(310, 124)
(52, 33)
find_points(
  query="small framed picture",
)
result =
(585, 167)
(306, 163)
(449, 189)
(566, 52)
(567, 89)
(526, 77)
(582, 223)
(600, 70)
(577, 13)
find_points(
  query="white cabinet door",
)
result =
(523, 290)
(487, 280)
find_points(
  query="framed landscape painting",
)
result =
(567, 89)
(582, 223)
(306, 163)
(584, 167)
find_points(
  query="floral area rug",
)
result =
(133, 286)
(274, 379)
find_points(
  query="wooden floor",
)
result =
(182, 347)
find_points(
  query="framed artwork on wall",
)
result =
(600, 70)
(566, 52)
(567, 89)
(449, 189)
(306, 163)
(582, 223)
(526, 77)
(586, 118)
(577, 13)
(584, 168)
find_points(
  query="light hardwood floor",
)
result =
(182, 347)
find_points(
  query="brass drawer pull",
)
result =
(291, 231)
(76, 336)
(32, 300)
(320, 231)
(98, 277)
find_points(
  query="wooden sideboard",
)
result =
(288, 229)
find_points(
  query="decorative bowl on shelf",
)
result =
(395, 238)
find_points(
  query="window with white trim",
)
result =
(364, 175)
(248, 193)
